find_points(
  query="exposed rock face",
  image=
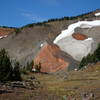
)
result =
(25, 45)
(5, 31)
(27, 42)
(79, 36)
(52, 59)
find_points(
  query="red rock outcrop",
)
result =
(79, 36)
(49, 59)
(5, 31)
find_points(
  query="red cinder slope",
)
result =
(79, 36)
(5, 31)
(50, 60)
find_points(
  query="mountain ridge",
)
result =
(55, 19)
(25, 43)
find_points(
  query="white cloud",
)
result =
(33, 17)
(30, 16)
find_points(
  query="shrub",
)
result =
(16, 74)
(17, 30)
(29, 66)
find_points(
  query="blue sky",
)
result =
(17, 13)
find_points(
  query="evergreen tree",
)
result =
(5, 66)
(16, 74)
(29, 66)
(7, 72)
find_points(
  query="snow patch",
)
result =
(88, 39)
(75, 69)
(97, 14)
(3, 36)
(41, 45)
(33, 70)
(72, 27)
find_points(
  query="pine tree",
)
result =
(16, 74)
(29, 66)
(7, 72)
(5, 66)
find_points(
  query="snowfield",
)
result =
(72, 27)
(97, 14)
(3, 36)
(76, 48)
(41, 45)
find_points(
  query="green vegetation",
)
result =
(6, 27)
(71, 84)
(7, 72)
(29, 66)
(56, 87)
(5, 66)
(38, 68)
(36, 24)
(17, 30)
(91, 58)
(16, 74)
